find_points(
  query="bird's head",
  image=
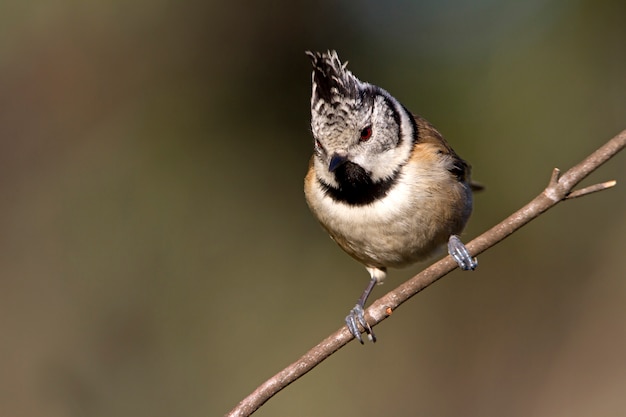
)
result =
(361, 132)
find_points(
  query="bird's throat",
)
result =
(355, 185)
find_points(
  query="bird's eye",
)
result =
(366, 133)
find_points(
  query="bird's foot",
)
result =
(356, 317)
(459, 252)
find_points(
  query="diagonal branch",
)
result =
(559, 188)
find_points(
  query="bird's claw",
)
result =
(355, 318)
(459, 252)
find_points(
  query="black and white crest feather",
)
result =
(331, 79)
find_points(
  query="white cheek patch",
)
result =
(359, 159)
(386, 163)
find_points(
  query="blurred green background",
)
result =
(157, 257)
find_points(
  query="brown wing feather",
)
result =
(460, 168)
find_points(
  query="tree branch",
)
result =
(559, 188)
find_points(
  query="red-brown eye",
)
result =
(366, 133)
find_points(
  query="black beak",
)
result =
(336, 161)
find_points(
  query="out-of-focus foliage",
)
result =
(157, 256)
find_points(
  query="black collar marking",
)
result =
(356, 188)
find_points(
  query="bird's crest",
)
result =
(332, 82)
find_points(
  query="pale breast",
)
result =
(407, 225)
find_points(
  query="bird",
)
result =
(383, 182)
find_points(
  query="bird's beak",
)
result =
(336, 161)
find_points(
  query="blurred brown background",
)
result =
(157, 257)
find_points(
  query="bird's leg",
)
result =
(459, 252)
(357, 315)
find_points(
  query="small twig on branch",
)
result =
(559, 188)
(591, 189)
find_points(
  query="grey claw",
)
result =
(459, 252)
(353, 327)
(356, 317)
